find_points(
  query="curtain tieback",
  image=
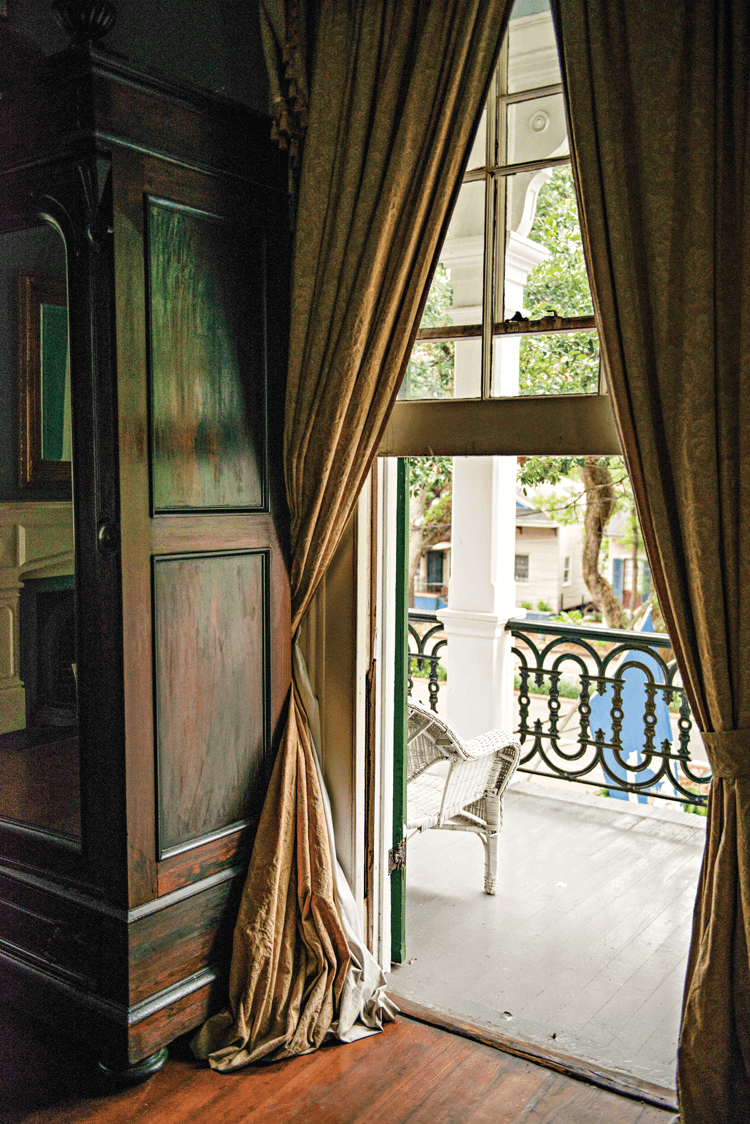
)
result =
(729, 752)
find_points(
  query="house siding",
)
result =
(571, 544)
(545, 573)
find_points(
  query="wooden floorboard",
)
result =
(411, 1074)
(613, 1080)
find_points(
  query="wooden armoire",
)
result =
(130, 791)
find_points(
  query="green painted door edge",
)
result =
(398, 877)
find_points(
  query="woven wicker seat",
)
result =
(467, 794)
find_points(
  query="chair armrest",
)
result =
(503, 741)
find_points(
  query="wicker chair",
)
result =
(468, 794)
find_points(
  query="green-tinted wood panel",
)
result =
(211, 691)
(207, 363)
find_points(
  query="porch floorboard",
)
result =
(583, 949)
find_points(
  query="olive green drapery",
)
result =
(659, 103)
(396, 90)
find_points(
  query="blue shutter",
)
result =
(617, 577)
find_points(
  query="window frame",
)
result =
(561, 424)
(494, 174)
(522, 580)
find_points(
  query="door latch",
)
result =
(397, 857)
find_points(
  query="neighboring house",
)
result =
(548, 560)
(618, 565)
(547, 564)
(432, 577)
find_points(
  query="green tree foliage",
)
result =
(431, 474)
(430, 370)
(558, 364)
(561, 281)
(568, 506)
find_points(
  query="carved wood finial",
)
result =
(86, 21)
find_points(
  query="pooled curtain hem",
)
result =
(364, 1005)
(351, 1009)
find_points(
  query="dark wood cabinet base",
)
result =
(122, 1077)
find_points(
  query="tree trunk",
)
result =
(600, 506)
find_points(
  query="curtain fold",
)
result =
(659, 105)
(397, 88)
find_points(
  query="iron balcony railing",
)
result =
(420, 659)
(602, 703)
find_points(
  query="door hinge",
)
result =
(397, 857)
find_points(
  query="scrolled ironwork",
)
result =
(421, 656)
(598, 757)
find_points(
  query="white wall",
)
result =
(571, 544)
(542, 546)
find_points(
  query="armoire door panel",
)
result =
(206, 352)
(212, 692)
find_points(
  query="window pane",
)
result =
(444, 368)
(431, 370)
(544, 263)
(532, 49)
(456, 292)
(522, 568)
(463, 256)
(478, 156)
(434, 568)
(546, 363)
(536, 130)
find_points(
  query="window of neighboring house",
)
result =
(566, 570)
(434, 567)
(522, 568)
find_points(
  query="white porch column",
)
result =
(482, 589)
(481, 595)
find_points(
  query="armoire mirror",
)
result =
(39, 759)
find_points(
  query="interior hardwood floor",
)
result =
(411, 1072)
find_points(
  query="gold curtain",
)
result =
(397, 88)
(659, 103)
